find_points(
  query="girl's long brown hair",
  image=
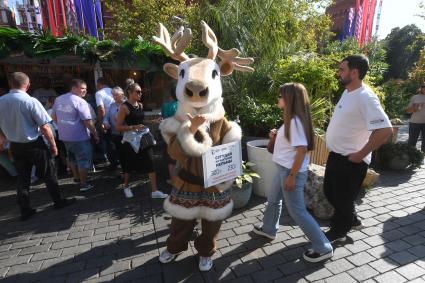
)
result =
(297, 104)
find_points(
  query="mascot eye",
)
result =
(214, 74)
(182, 73)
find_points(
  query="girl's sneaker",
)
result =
(128, 193)
(165, 256)
(86, 187)
(158, 194)
(205, 263)
(312, 256)
(259, 231)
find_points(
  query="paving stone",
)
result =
(76, 249)
(411, 271)
(116, 267)
(46, 255)
(292, 267)
(383, 265)
(245, 279)
(25, 244)
(390, 277)
(419, 251)
(35, 249)
(380, 251)
(341, 252)
(363, 272)
(403, 257)
(243, 229)
(360, 258)
(67, 268)
(271, 260)
(340, 278)
(398, 245)
(318, 275)
(92, 239)
(24, 268)
(246, 268)
(65, 244)
(267, 275)
(274, 248)
(106, 230)
(9, 254)
(16, 260)
(81, 234)
(339, 266)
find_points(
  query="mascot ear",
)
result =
(226, 68)
(172, 70)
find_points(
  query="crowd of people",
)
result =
(46, 131)
(358, 126)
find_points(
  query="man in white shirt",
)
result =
(358, 126)
(104, 98)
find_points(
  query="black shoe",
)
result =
(26, 214)
(64, 203)
(334, 237)
(312, 256)
(357, 225)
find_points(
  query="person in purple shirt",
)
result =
(74, 121)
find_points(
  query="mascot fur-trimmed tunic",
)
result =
(199, 92)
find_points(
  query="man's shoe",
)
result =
(334, 238)
(165, 256)
(205, 263)
(312, 256)
(25, 215)
(357, 225)
(158, 194)
(259, 231)
(64, 203)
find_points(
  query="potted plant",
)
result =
(242, 188)
(400, 156)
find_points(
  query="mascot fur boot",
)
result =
(198, 125)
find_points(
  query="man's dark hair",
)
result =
(102, 81)
(77, 83)
(18, 80)
(359, 62)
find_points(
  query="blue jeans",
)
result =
(294, 202)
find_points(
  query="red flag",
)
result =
(52, 22)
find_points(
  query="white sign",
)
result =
(222, 163)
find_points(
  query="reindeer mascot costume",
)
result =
(198, 124)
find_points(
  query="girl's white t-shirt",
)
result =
(284, 150)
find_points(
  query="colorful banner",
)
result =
(349, 24)
(38, 15)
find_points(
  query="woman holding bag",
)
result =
(130, 120)
(291, 143)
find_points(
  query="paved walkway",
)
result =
(105, 237)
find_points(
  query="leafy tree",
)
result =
(141, 17)
(403, 47)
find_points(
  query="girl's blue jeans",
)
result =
(294, 202)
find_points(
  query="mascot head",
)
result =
(198, 79)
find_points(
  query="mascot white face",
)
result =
(199, 82)
(199, 79)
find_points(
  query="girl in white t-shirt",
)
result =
(292, 142)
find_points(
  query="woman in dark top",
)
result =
(130, 118)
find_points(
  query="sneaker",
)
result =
(259, 231)
(357, 225)
(312, 256)
(128, 193)
(205, 263)
(333, 238)
(25, 215)
(86, 187)
(158, 194)
(64, 203)
(165, 256)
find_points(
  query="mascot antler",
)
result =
(229, 58)
(174, 47)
